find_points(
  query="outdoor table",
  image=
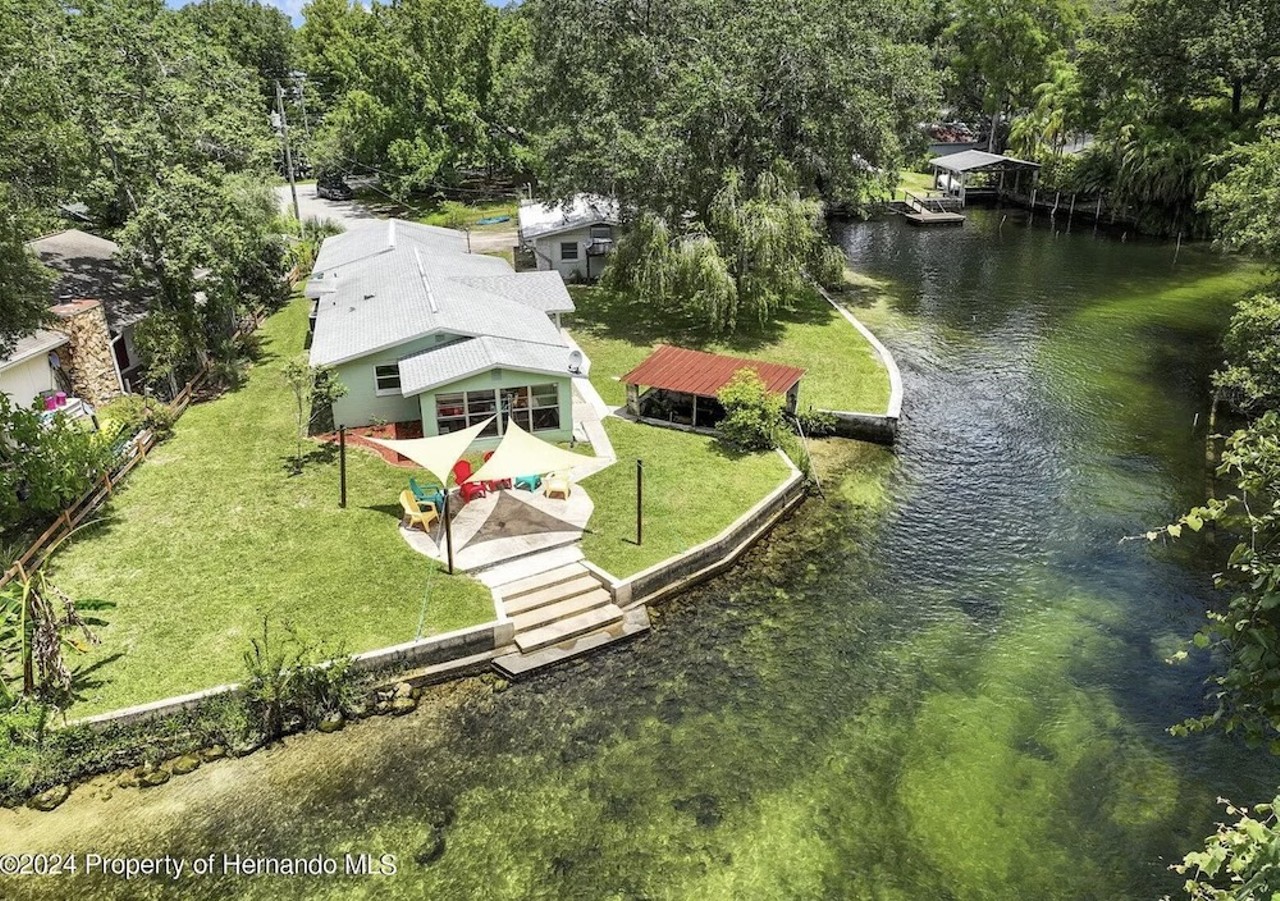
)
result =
(528, 483)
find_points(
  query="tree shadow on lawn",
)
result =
(614, 316)
(99, 525)
(84, 679)
(324, 453)
(866, 293)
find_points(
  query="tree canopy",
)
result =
(653, 103)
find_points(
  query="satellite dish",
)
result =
(575, 361)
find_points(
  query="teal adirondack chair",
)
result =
(432, 494)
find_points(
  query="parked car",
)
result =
(334, 189)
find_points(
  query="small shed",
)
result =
(680, 385)
(964, 167)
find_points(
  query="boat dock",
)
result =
(931, 209)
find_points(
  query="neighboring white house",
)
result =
(418, 329)
(89, 353)
(29, 371)
(87, 269)
(572, 239)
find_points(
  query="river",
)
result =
(959, 692)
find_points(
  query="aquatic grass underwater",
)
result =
(946, 680)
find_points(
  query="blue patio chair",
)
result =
(528, 483)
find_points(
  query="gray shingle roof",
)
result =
(87, 269)
(538, 220)
(442, 365)
(42, 341)
(543, 291)
(375, 296)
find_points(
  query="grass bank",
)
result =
(842, 371)
(212, 532)
(693, 490)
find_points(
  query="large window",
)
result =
(568, 250)
(387, 379)
(535, 408)
(458, 410)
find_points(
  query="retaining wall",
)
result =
(437, 649)
(711, 557)
(879, 428)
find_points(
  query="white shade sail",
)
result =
(521, 454)
(439, 453)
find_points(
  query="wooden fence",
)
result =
(131, 454)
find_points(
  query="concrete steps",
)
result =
(515, 666)
(569, 628)
(530, 566)
(560, 609)
(521, 595)
(581, 583)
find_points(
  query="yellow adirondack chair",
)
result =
(423, 515)
(557, 483)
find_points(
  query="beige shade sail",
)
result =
(438, 453)
(521, 454)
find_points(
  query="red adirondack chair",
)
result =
(500, 483)
(470, 490)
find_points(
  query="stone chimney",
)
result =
(89, 361)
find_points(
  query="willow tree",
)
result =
(740, 265)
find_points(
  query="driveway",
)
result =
(344, 212)
(349, 213)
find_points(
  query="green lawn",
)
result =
(917, 182)
(211, 532)
(430, 212)
(842, 371)
(693, 490)
(476, 212)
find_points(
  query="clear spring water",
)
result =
(958, 694)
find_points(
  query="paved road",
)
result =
(349, 213)
(345, 212)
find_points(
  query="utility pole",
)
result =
(288, 154)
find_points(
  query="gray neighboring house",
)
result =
(90, 353)
(420, 330)
(573, 238)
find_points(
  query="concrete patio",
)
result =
(504, 525)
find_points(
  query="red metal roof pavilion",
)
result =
(703, 374)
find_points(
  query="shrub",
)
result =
(130, 414)
(1251, 380)
(44, 465)
(817, 423)
(753, 417)
(290, 679)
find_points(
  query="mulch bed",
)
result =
(396, 431)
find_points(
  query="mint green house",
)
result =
(421, 332)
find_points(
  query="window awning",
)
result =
(438, 453)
